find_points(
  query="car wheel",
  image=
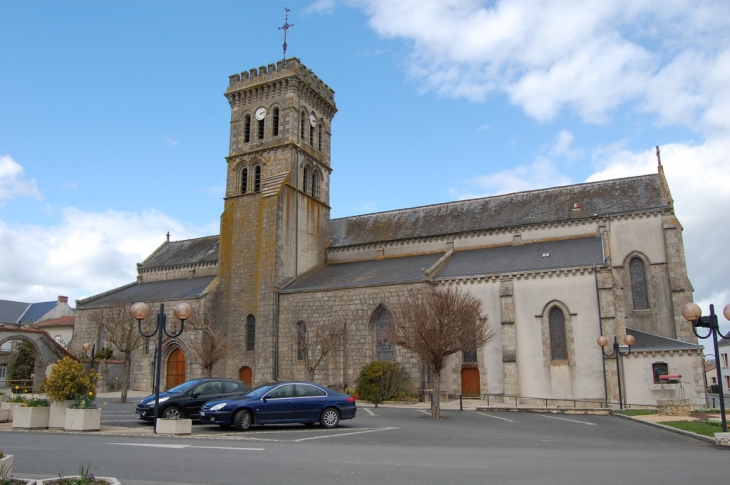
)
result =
(173, 412)
(330, 418)
(242, 420)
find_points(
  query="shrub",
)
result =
(37, 402)
(68, 379)
(21, 367)
(383, 380)
(105, 353)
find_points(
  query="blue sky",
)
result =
(114, 127)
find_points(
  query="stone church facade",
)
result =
(555, 268)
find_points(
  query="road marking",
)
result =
(346, 434)
(571, 420)
(369, 412)
(424, 412)
(428, 465)
(499, 417)
(179, 447)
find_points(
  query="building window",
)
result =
(315, 184)
(311, 136)
(257, 178)
(727, 383)
(319, 138)
(275, 122)
(146, 346)
(260, 129)
(250, 333)
(306, 180)
(637, 274)
(244, 180)
(558, 347)
(246, 128)
(724, 359)
(470, 357)
(659, 369)
(301, 340)
(301, 128)
(385, 349)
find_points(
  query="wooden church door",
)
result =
(245, 374)
(470, 382)
(175, 369)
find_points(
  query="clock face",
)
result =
(260, 114)
(312, 120)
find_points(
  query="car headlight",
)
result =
(218, 406)
(162, 399)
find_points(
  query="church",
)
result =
(555, 268)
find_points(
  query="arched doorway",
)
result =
(175, 369)
(245, 374)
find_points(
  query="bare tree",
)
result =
(315, 342)
(211, 347)
(437, 323)
(120, 330)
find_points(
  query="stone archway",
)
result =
(47, 350)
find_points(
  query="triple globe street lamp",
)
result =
(139, 311)
(693, 313)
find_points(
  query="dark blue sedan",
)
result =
(281, 402)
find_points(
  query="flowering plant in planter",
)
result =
(69, 379)
(37, 402)
(85, 477)
(84, 401)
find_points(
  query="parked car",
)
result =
(281, 402)
(185, 400)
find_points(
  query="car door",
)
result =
(277, 405)
(201, 394)
(308, 403)
(233, 389)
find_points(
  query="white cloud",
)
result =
(13, 184)
(562, 146)
(170, 141)
(540, 174)
(84, 254)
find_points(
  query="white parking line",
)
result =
(346, 434)
(179, 447)
(369, 412)
(571, 420)
(424, 412)
(498, 417)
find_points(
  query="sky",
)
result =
(114, 127)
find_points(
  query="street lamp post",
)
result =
(139, 311)
(86, 347)
(628, 340)
(693, 313)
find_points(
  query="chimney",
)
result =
(62, 299)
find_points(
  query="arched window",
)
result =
(315, 184)
(558, 346)
(639, 293)
(301, 128)
(260, 129)
(385, 350)
(311, 136)
(244, 180)
(246, 128)
(275, 122)
(301, 340)
(305, 188)
(257, 178)
(250, 333)
(319, 137)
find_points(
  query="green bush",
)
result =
(383, 380)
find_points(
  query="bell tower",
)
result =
(275, 221)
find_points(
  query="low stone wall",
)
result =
(674, 407)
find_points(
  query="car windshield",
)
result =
(184, 386)
(259, 391)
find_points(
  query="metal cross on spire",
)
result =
(285, 27)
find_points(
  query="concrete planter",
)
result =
(3, 397)
(6, 465)
(174, 426)
(31, 418)
(4, 415)
(722, 439)
(50, 481)
(57, 418)
(82, 420)
(10, 406)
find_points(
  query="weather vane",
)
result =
(285, 27)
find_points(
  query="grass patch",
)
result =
(636, 412)
(706, 429)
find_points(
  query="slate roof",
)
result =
(648, 341)
(365, 273)
(534, 207)
(20, 312)
(189, 251)
(526, 257)
(153, 291)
